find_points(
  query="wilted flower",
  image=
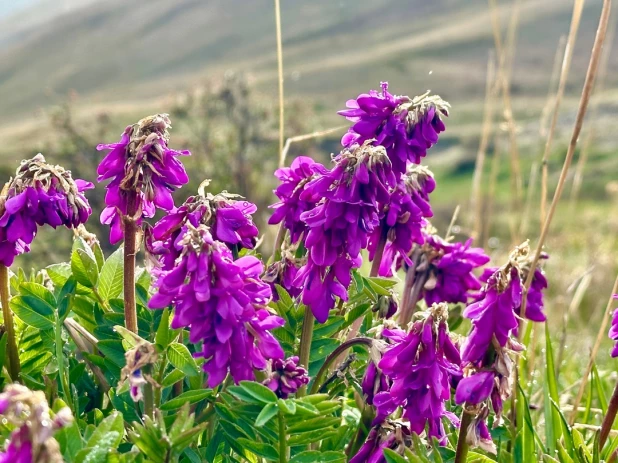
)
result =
(477, 434)
(32, 439)
(386, 306)
(406, 127)
(283, 273)
(421, 367)
(39, 194)
(144, 172)
(403, 218)
(285, 377)
(138, 359)
(340, 225)
(223, 302)
(228, 217)
(290, 206)
(392, 435)
(613, 331)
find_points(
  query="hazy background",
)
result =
(74, 73)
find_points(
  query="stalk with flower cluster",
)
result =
(144, 172)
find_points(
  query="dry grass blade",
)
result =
(307, 136)
(280, 74)
(600, 335)
(493, 180)
(578, 6)
(590, 135)
(476, 201)
(525, 220)
(591, 73)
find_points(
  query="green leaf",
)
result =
(65, 297)
(392, 457)
(40, 292)
(312, 456)
(172, 378)
(258, 391)
(111, 277)
(164, 333)
(59, 273)
(32, 311)
(190, 397)
(262, 450)
(84, 264)
(287, 406)
(113, 422)
(180, 357)
(267, 413)
(553, 429)
(566, 429)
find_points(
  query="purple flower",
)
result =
(228, 217)
(613, 331)
(223, 303)
(476, 388)
(144, 173)
(286, 377)
(421, 367)
(406, 127)
(340, 225)
(403, 218)
(290, 206)
(29, 413)
(39, 194)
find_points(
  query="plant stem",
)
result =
(334, 354)
(462, 445)
(148, 400)
(13, 366)
(579, 121)
(377, 258)
(280, 73)
(278, 242)
(610, 416)
(305, 344)
(130, 249)
(364, 425)
(283, 450)
(62, 372)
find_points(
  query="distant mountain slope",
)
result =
(115, 50)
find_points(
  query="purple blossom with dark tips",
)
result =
(393, 436)
(223, 303)
(39, 194)
(144, 172)
(286, 377)
(406, 127)
(421, 367)
(340, 225)
(283, 273)
(374, 382)
(290, 206)
(228, 216)
(403, 218)
(613, 330)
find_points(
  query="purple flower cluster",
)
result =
(421, 365)
(613, 331)
(406, 127)
(39, 194)
(340, 225)
(228, 217)
(29, 412)
(223, 303)
(144, 173)
(403, 218)
(286, 377)
(292, 202)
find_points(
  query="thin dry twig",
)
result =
(600, 335)
(476, 201)
(564, 74)
(280, 73)
(307, 136)
(579, 121)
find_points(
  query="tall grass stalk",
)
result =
(280, 74)
(564, 74)
(579, 121)
(493, 180)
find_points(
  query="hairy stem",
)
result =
(462, 445)
(334, 355)
(13, 366)
(149, 400)
(305, 344)
(130, 249)
(610, 416)
(377, 258)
